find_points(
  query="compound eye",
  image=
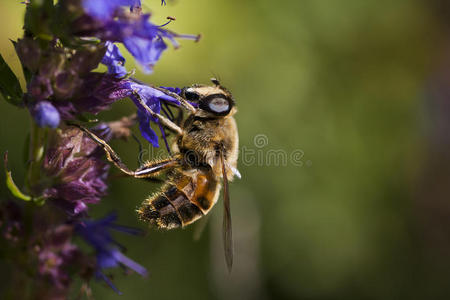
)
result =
(219, 105)
(191, 95)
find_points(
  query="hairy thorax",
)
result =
(203, 140)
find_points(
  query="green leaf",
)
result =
(9, 84)
(38, 16)
(26, 73)
(11, 185)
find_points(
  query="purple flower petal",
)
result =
(105, 9)
(146, 51)
(114, 60)
(129, 263)
(106, 279)
(114, 258)
(80, 207)
(147, 132)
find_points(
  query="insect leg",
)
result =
(111, 155)
(183, 101)
(149, 169)
(164, 121)
(178, 118)
(154, 168)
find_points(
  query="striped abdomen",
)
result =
(186, 198)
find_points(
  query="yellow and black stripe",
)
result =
(182, 201)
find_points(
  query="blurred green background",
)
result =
(354, 95)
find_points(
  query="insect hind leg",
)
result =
(147, 170)
(154, 168)
(111, 155)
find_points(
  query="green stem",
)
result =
(38, 138)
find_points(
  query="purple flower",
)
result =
(143, 39)
(107, 20)
(45, 114)
(98, 235)
(114, 60)
(78, 172)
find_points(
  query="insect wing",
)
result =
(227, 229)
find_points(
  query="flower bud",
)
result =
(45, 114)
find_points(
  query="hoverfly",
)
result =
(205, 152)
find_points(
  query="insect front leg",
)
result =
(183, 101)
(163, 120)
